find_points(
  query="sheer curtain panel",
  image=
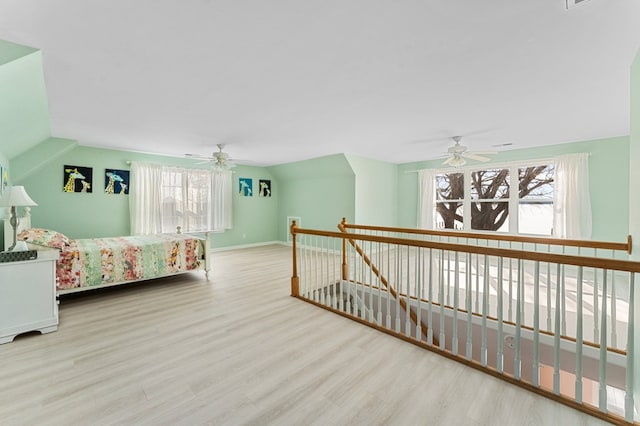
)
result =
(426, 199)
(221, 201)
(145, 200)
(572, 203)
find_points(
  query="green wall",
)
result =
(608, 180)
(376, 191)
(96, 214)
(24, 110)
(9, 51)
(320, 191)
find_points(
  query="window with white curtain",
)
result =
(545, 198)
(163, 198)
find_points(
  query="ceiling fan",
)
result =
(219, 160)
(458, 153)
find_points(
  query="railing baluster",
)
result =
(630, 382)
(516, 362)
(485, 298)
(477, 304)
(399, 281)
(579, 337)
(456, 279)
(380, 261)
(614, 308)
(468, 302)
(536, 325)
(448, 288)
(323, 281)
(442, 323)
(350, 274)
(556, 337)
(316, 269)
(430, 302)
(388, 322)
(549, 295)
(407, 321)
(307, 268)
(510, 313)
(335, 280)
(563, 312)
(500, 342)
(419, 284)
(602, 364)
(596, 331)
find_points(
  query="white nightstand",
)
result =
(28, 296)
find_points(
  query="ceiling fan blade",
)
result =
(203, 162)
(196, 156)
(448, 160)
(485, 152)
(473, 156)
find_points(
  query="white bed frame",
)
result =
(25, 223)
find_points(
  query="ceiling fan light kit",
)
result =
(219, 160)
(457, 152)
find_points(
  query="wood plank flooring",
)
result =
(239, 350)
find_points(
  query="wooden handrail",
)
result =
(384, 282)
(605, 245)
(584, 261)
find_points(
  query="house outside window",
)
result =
(484, 199)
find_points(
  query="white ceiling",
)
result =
(285, 80)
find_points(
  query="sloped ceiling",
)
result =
(280, 80)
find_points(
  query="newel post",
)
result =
(342, 228)
(295, 281)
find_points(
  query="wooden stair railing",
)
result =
(515, 375)
(602, 245)
(383, 280)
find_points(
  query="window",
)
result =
(185, 199)
(163, 198)
(482, 199)
(535, 201)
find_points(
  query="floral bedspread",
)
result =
(93, 262)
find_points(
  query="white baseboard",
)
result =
(242, 246)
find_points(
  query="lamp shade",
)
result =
(16, 196)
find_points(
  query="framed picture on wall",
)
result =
(116, 181)
(245, 187)
(264, 188)
(77, 179)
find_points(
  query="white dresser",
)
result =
(28, 296)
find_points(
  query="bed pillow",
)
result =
(44, 237)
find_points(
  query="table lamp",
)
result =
(13, 197)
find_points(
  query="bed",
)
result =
(91, 263)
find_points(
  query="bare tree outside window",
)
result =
(489, 193)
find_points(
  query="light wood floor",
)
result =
(240, 350)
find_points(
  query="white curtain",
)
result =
(221, 201)
(572, 203)
(426, 199)
(163, 198)
(145, 200)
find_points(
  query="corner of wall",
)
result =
(29, 162)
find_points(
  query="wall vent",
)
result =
(574, 3)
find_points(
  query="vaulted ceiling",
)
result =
(284, 80)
